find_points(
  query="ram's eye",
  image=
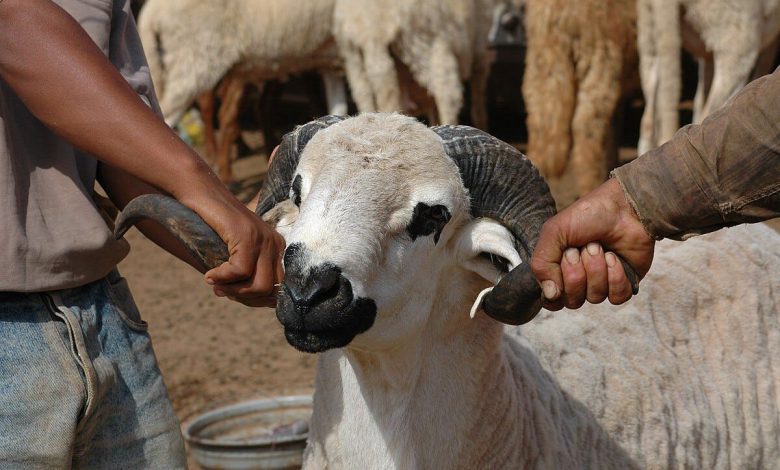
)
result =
(428, 220)
(295, 191)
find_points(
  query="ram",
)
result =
(393, 228)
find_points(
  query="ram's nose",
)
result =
(311, 287)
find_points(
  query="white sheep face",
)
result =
(381, 217)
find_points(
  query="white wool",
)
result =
(192, 44)
(683, 376)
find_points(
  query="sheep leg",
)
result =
(766, 59)
(732, 70)
(335, 93)
(445, 84)
(597, 99)
(383, 77)
(659, 43)
(206, 104)
(228, 123)
(479, 79)
(549, 92)
(702, 88)
(359, 84)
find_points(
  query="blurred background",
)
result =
(580, 86)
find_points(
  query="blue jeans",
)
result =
(79, 383)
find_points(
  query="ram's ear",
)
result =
(282, 217)
(487, 248)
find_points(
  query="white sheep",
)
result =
(193, 44)
(439, 43)
(726, 37)
(390, 228)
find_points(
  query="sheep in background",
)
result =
(441, 43)
(388, 224)
(726, 37)
(193, 44)
(230, 91)
(581, 58)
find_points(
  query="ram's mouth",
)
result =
(320, 328)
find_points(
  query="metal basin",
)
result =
(252, 435)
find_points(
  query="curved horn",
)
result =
(279, 178)
(200, 240)
(505, 186)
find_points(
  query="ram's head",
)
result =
(383, 217)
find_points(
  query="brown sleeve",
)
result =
(723, 172)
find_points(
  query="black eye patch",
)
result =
(428, 220)
(295, 191)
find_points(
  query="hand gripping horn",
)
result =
(201, 241)
(505, 186)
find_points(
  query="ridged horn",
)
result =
(505, 186)
(200, 240)
(279, 178)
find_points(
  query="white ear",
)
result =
(482, 239)
(282, 217)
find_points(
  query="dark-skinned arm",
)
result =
(67, 83)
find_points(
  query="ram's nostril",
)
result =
(317, 285)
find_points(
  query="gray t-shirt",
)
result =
(52, 236)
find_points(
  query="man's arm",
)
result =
(721, 173)
(67, 83)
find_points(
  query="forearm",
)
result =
(723, 172)
(66, 82)
(121, 188)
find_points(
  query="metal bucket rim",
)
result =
(192, 426)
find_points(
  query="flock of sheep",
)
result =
(388, 224)
(410, 56)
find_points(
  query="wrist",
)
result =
(627, 208)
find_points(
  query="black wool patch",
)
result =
(428, 220)
(295, 191)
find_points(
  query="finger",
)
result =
(269, 302)
(261, 284)
(553, 306)
(546, 260)
(240, 267)
(619, 287)
(574, 280)
(596, 273)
